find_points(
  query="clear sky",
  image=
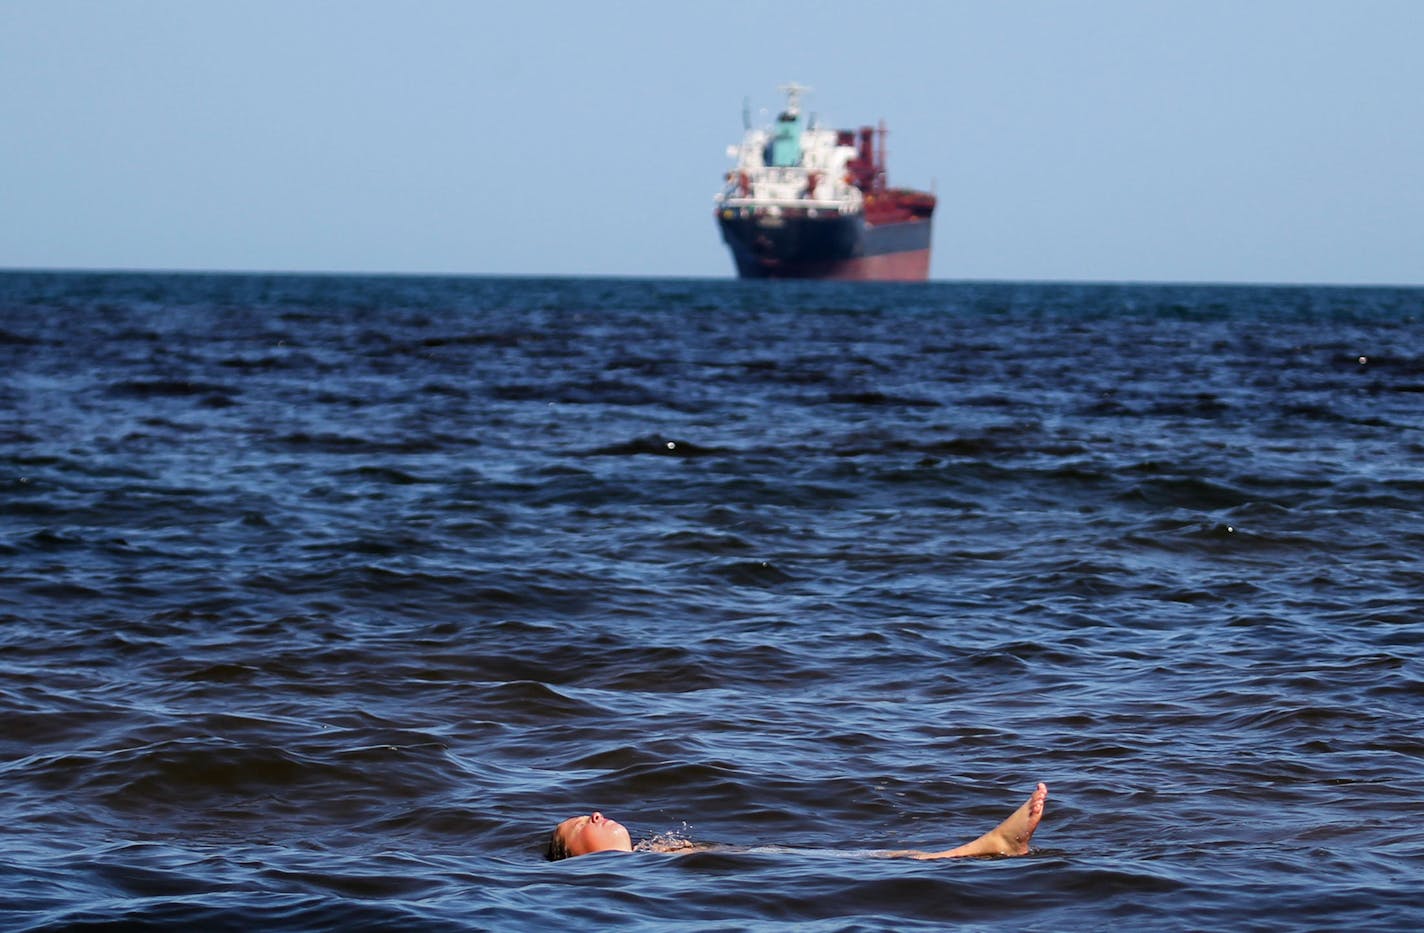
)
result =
(1147, 140)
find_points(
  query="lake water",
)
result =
(323, 598)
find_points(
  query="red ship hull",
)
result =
(892, 267)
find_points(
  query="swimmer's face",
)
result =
(593, 833)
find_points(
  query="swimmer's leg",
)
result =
(1008, 838)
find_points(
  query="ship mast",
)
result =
(793, 92)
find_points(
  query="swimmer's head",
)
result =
(581, 835)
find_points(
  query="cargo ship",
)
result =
(810, 203)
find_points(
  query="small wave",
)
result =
(876, 399)
(384, 475)
(1186, 493)
(656, 446)
(11, 339)
(757, 573)
(169, 388)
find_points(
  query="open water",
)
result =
(323, 598)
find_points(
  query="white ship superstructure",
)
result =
(792, 165)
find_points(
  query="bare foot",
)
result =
(1008, 838)
(1014, 833)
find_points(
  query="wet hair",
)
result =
(557, 849)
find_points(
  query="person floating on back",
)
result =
(583, 835)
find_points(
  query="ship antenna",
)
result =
(746, 113)
(793, 93)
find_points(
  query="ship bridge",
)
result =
(791, 165)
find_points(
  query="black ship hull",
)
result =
(799, 243)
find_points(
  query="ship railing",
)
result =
(820, 204)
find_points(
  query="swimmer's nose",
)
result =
(596, 818)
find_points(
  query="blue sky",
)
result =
(1146, 140)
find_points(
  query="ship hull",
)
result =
(829, 246)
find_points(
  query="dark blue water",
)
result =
(323, 599)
